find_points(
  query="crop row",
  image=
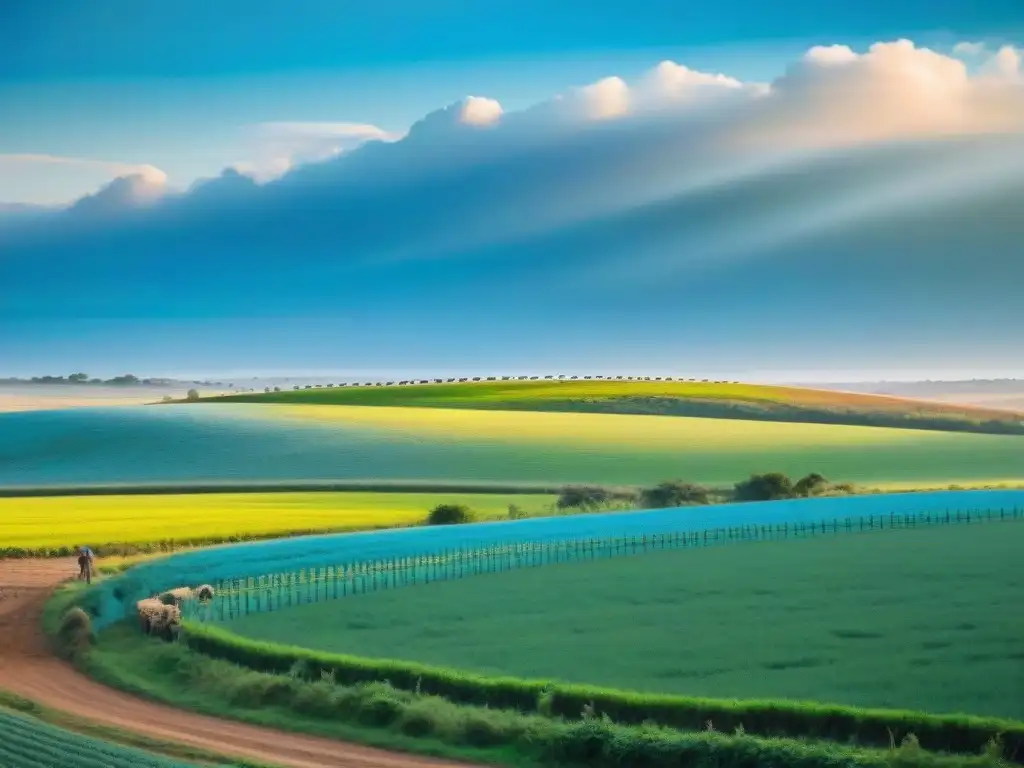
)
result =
(29, 743)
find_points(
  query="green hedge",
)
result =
(944, 733)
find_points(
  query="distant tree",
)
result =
(588, 497)
(277, 389)
(765, 487)
(450, 514)
(192, 396)
(674, 493)
(515, 512)
(122, 380)
(167, 399)
(78, 378)
(811, 485)
(266, 389)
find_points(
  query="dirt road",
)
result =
(28, 669)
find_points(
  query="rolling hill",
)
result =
(723, 400)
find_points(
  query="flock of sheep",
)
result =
(161, 616)
(504, 378)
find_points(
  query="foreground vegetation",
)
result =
(380, 715)
(827, 628)
(722, 400)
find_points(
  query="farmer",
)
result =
(85, 562)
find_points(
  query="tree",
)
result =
(78, 378)
(765, 487)
(192, 395)
(587, 497)
(674, 493)
(450, 514)
(811, 485)
(168, 399)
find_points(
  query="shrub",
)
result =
(674, 493)
(766, 487)
(450, 514)
(515, 512)
(948, 733)
(74, 634)
(587, 497)
(811, 485)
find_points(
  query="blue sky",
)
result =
(632, 221)
(181, 85)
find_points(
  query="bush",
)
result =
(450, 514)
(586, 497)
(515, 512)
(947, 733)
(674, 493)
(74, 634)
(767, 487)
(811, 485)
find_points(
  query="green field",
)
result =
(37, 523)
(669, 398)
(925, 619)
(505, 446)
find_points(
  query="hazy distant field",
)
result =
(63, 521)
(557, 394)
(240, 443)
(890, 619)
(42, 397)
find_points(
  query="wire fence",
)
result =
(235, 598)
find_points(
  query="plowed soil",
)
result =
(28, 668)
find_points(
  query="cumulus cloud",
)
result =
(1005, 63)
(968, 48)
(613, 143)
(136, 190)
(277, 147)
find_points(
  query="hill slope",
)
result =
(666, 398)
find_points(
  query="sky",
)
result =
(747, 188)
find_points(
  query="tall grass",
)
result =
(306, 699)
(946, 733)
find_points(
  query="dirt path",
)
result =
(28, 669)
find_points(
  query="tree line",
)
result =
(767, 486)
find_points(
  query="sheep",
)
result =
(176, 595)
(155, 618)
(204, 593)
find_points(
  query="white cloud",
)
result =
(479, 111)
(1005, 63)
(968, 48)
(277, 147)
(136, 190)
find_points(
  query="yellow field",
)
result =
(64, 521)
(654, 433)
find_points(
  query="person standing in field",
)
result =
(85, 563)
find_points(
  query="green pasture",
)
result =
(508, 446)
(678, 398)
(925, 619)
